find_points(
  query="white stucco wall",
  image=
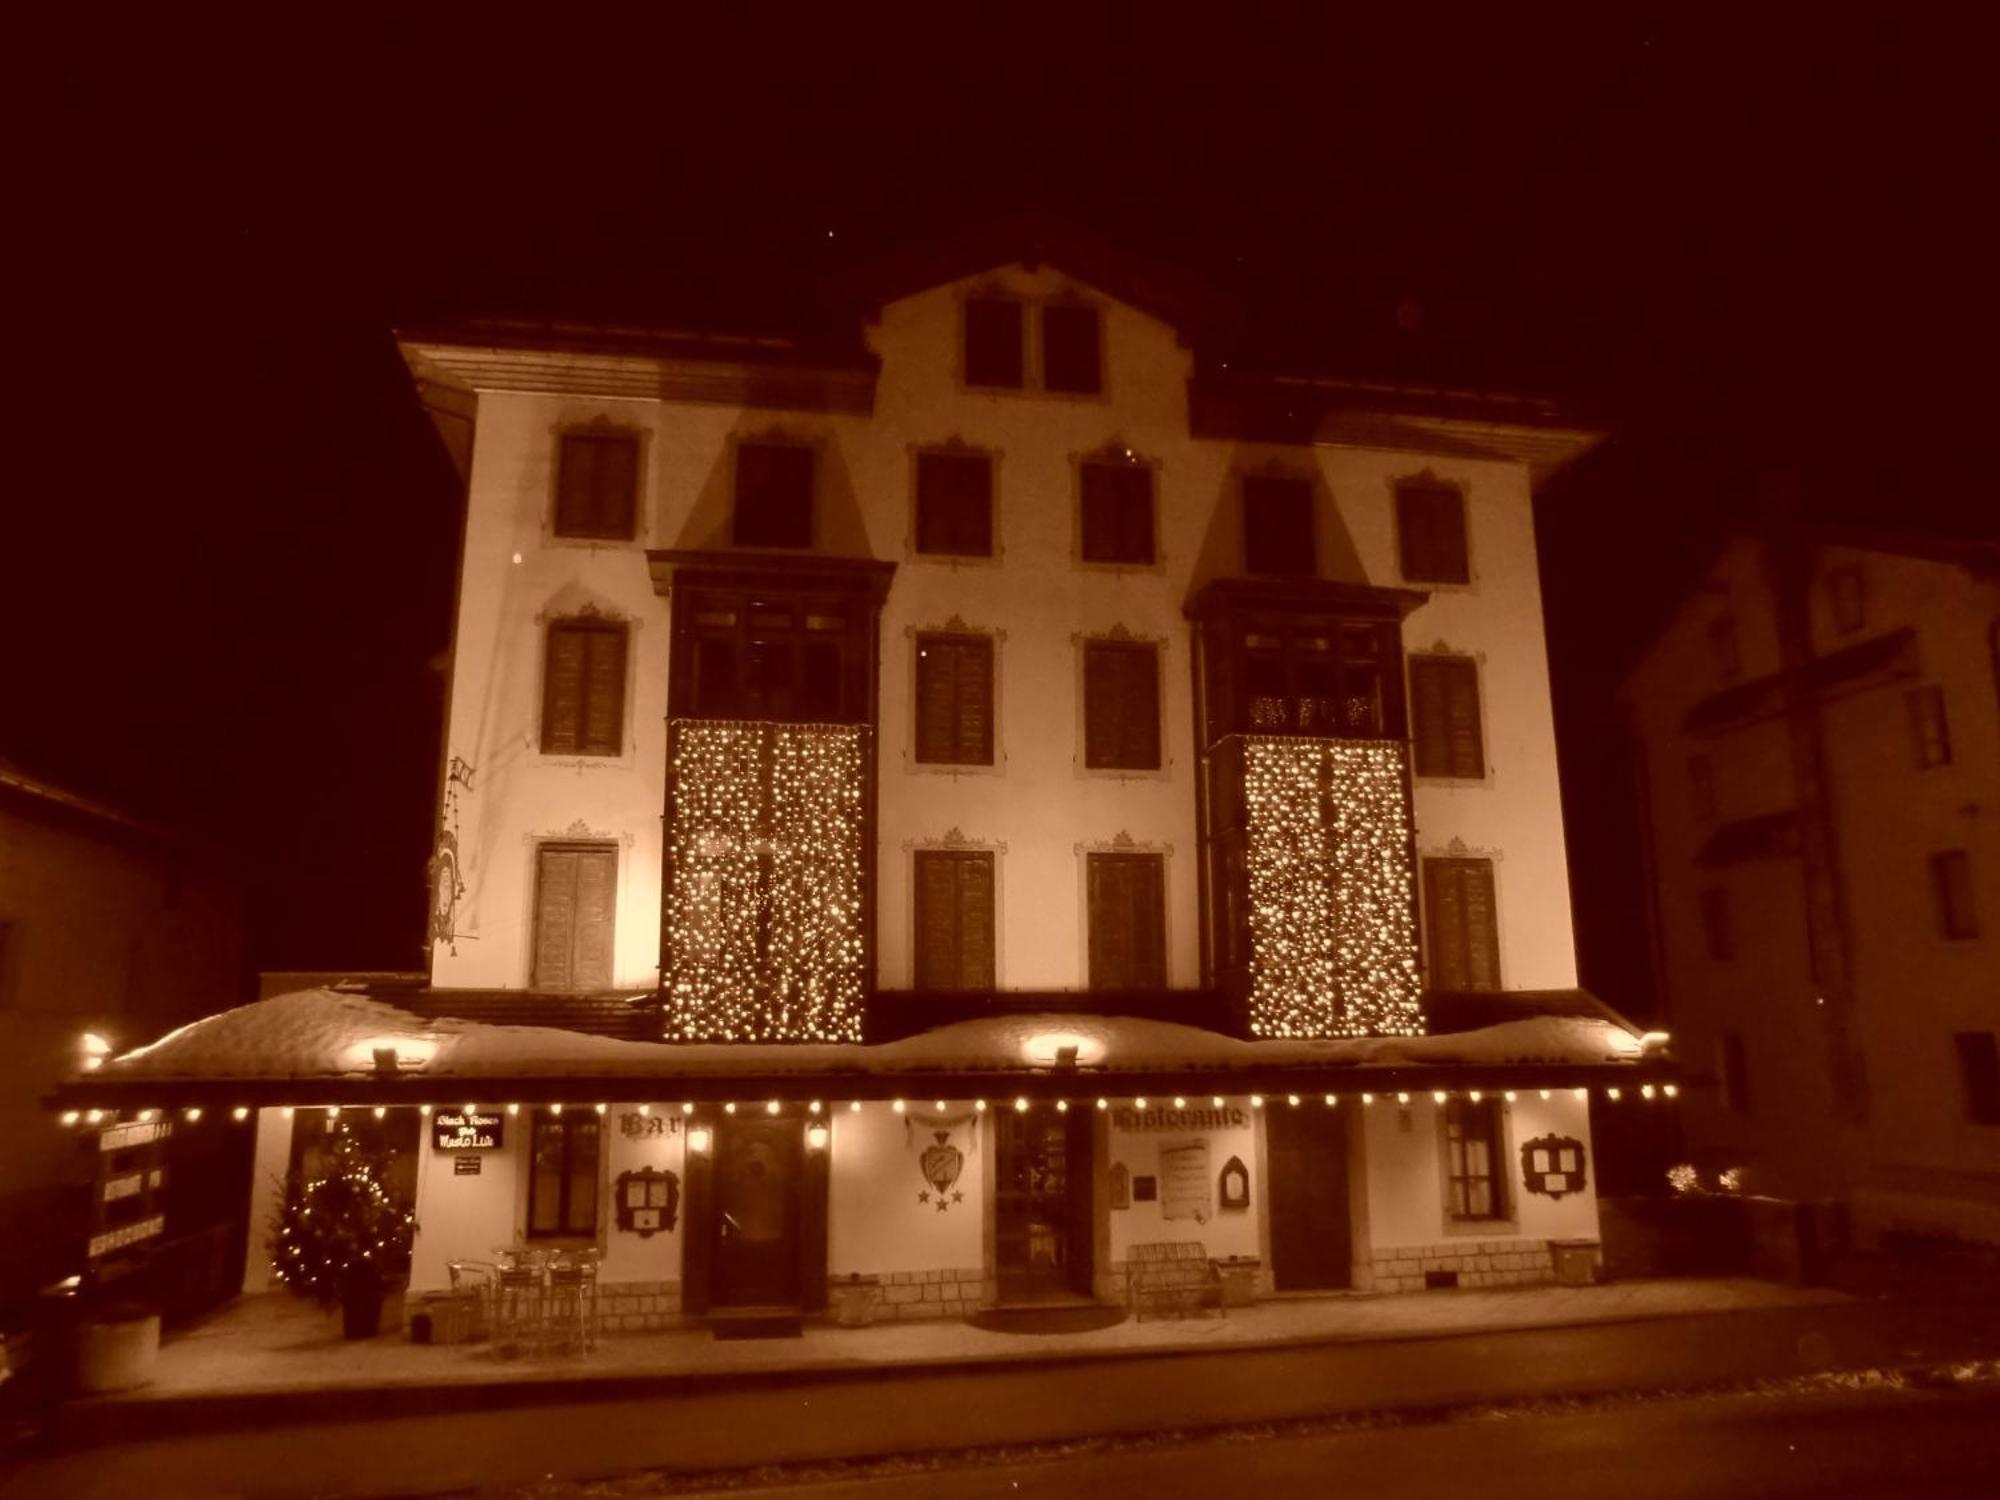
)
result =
(267, 1193)
(1227, 1231)
(877, 1225)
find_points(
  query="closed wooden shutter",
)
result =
(774, 483)
(954, 919)
(583, 689)
(1117, 500)
(1463, 927)
(993, 342)
(1445, 699)
(955, 700)
(955, 504)
(1070, 350)
(597, 485)
(1121, 706)
(1430, 529)
(1278, 526)
(576, 900)
(1126, 897)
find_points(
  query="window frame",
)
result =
(1118, 464)
(1133, 857)
(737, 511)
(1429, 486)
(961, 857)
(566, 1123)
(1432, 867)
(953, 453)
(1452, 1134)
(1465, 668)
(585, 625)
(1129, 648)
(599, 434)
(957, 638)
(601, 848)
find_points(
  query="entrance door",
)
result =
(756, 1213)
(1311, 1241)
(1041, 1204)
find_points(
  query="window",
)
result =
(1733, 1071)
(1930, 734)
(1722, 648)
(1464, 931)
(1951, 882)
(1979, 1075)
(955, 504)
(576, 903)
(1121, 706)
(597, 485)
(1278, 526)
(1117, 512)
(1717, 927)
(955, 700)
(757, 654)
(1444, 714)
(1473, 1145)
(954, 936)
(993, 342)
(562, 1185)
(774, 491)
(1127, 900)
(583, 688)
(1071, 349)
(1843, 588)
(1430, 532)
(1701, 787)
(1319, 677)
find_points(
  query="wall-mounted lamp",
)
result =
(816, 1137)
(698, 1139)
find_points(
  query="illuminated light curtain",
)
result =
(1333, 948)
(764, 917)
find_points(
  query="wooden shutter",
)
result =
(1070, 349)
(773, 495)
(1430, 527)
(597, 483)
(955, 504)
(576, 895)
(1121, 706)
(993, 342)
(583, 689)
(1125, 894)
(562, 691)
(1463, 928)
(955, 700)
(1445, 694)
(1278, 526)
(1117, 501)
(954, 920)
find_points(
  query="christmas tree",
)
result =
(341, 1235)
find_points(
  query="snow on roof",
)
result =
(324, 1033)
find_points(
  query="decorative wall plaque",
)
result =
(1552, 1165)
(649, 1200)
(1234, 1186)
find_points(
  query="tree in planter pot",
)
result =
(340, 1240)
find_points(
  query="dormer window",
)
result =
(1278, 526)
(993, 343)
(597, 485)
(1072, 350)
(774, 492)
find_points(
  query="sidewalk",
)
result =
(248, 1415)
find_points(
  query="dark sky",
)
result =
(1740, 242)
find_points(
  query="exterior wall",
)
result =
(267, 1195)
(1226, 1232)
(1036, 806)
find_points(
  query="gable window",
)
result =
(576, 902)
(1126, 895)
(597, 485)
(1430, 533)
(955, 504)
(1979, 1075)
(1121, 706)
(1463, 928)
(1717, 927)
(1733, 1069)
(562, 1183)
(993, 342)
(1117, 501)
(954, 919)
(1844, 593)
(1278, 526)
(1473, 1146)
(1444, 716)
(954, 699)
(1951, 884)
(1723, 650)
(583, 688)
(1071, 349)
(774, 495)
(1701, 787)
(1930, 733)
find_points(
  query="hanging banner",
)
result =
(939, 1159)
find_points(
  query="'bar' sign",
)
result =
(458, 1130)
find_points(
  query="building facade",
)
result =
(1003, 792)
(1820, 730)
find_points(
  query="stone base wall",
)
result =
(907, 1295)
(1478, 1263)
(638, 1306)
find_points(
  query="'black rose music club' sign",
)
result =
(460, 1130)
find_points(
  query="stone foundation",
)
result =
(1477, 1262)
(909, 1295)
(638, 1306)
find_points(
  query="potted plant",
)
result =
(340, 1240)
(853, 1299)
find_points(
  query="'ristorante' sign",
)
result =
(456, 1130)
(1160, 1117)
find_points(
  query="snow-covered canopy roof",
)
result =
(326, 1042)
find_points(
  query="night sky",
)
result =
(1744, 246)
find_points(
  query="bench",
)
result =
(1175, 1276)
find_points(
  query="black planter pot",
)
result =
(361, 1312)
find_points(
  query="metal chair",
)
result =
(520, 1314)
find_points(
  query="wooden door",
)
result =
(1311, 1239)
(757, 1201)
(576, 899)
(1042, 1204)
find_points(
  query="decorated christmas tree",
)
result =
(340, 1236)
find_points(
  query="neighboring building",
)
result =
(1820, 730)
(112, 928)
(985, 785)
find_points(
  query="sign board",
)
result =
(466, 1166)
(456, 1130)
(1184, 1182)
(1190, 1117)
